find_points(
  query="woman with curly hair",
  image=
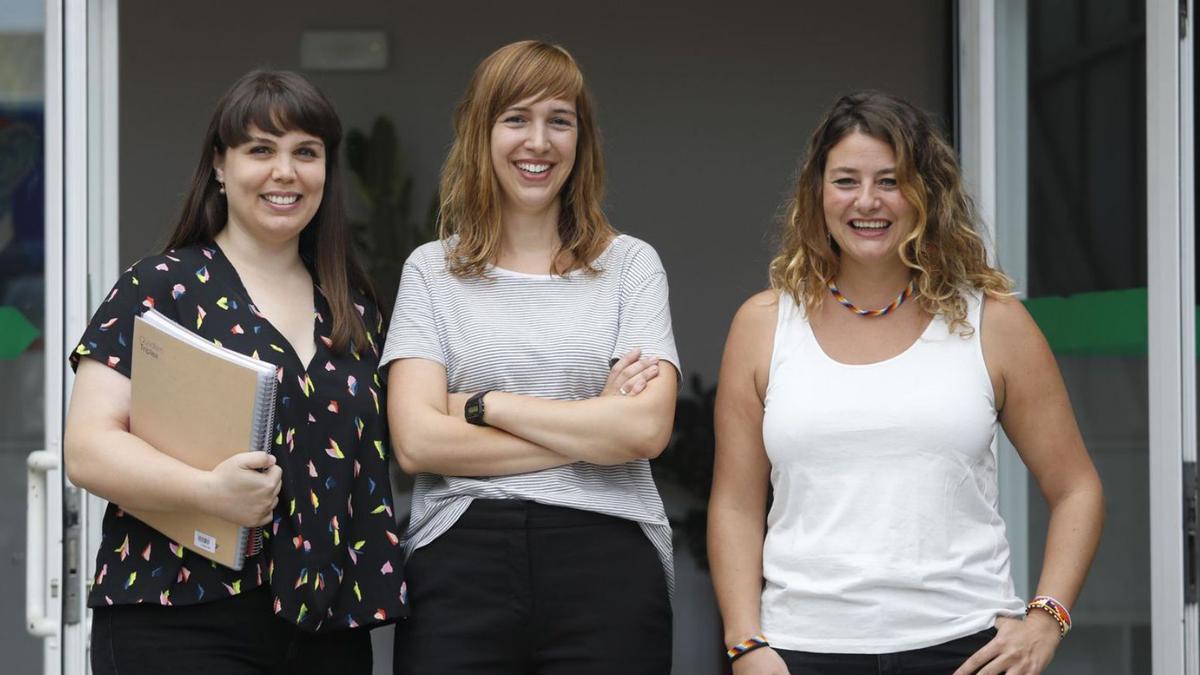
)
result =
(864, 388)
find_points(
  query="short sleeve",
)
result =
(413, 331)
(645, 317)
(109, 334)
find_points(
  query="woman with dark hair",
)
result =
(538, 541)
(260, 262)
(872, 418)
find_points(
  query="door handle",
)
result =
(38, 465)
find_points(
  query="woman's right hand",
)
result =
(629, 374)
(761, 661)
(244, 489)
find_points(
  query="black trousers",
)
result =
(941, 659)
(239, 635)
(517, 588)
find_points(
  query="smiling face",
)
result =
(865, 211)
(273, 184)
(533, 152)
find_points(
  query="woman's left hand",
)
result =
(629, 374)
(1021, 647)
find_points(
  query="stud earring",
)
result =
(222, 189)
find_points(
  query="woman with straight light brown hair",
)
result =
(865, 389)
(532, 370)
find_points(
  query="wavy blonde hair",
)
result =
(944, 250)
(470, 201)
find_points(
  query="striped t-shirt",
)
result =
(536, 335)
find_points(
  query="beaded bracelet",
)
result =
(746, 646)
(1055, 609)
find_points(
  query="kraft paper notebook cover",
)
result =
(201, 404)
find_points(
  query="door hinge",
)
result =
(1191, 502)
(72, 543)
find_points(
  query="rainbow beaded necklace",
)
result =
(845, 302)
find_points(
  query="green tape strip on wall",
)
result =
(1104, 323)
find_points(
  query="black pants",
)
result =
(941, 659)
(239, 635)
(516, 587)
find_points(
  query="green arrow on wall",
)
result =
(16, 333)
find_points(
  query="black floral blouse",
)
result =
(331, 555)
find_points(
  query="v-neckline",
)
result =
(290, 349)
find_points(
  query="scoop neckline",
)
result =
(824, 354)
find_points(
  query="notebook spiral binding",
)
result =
(252, 543)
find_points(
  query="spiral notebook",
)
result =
(200, 403)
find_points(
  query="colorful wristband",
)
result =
(746, 646)
(1055, 609)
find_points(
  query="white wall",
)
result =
(705, 106)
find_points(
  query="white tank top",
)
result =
(885, 533)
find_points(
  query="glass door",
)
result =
(1070, 134)
(23, 347)
(1086, 282)
(76, 260)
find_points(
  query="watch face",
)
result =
(473, 410)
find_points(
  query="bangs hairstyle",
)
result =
(471, 193)
(277, 102)
(945, 251)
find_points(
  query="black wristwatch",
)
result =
(473, 410)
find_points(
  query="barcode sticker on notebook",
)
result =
(205, 542)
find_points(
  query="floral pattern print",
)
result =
(331, 553)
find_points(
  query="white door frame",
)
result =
(81, 264)
(1172, 340)
(99, 153)
(991, 104)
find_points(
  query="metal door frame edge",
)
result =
(1168, 353)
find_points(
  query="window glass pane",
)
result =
(1087, 290)
(22, 288)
